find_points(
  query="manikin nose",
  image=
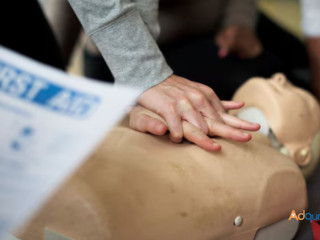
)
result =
(279, 78)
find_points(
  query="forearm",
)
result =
(124, 41)
(240, 13)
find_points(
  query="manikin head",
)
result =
(289, 117)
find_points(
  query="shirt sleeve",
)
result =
(241, 13)
(311, 17)
(124, 40)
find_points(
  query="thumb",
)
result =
(145, 123)
(144, 120)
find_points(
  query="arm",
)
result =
(121, 35)
(134, 58)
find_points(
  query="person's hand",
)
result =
(238, 40)
(177, 99)
(144, 120)
(313, 47)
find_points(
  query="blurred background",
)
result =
(284, 12)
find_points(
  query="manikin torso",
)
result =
(139, 186)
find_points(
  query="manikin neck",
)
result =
(255, 115)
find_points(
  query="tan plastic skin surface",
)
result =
(142, 187)
(292, 114)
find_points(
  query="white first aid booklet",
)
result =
(49, 123)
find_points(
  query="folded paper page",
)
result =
(50, 123)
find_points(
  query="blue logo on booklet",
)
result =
(29, 87)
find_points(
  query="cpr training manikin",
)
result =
(137, 186)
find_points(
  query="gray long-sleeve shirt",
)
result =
(125, 33)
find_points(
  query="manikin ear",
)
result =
(315, 156)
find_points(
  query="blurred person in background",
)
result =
(208, 41)
(311, 30)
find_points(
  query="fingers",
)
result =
(225, 42)
(249, 50)
(173, 120)
(188, 113)
(250, 46)
(223, 52)
(196, 136)
(212, 97)
(158, 101)
(224, 45)
(228, 132)
(256, 50)
(177, 100)
(239, 123)
(145, 123)
(231, 105)
(194, 102)
(200, 102)
(239, 40)
(144, 120)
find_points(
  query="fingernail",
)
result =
(216, 147)
(245, 134)
(257, 125)
(215, 144)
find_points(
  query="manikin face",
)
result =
(288, 115)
